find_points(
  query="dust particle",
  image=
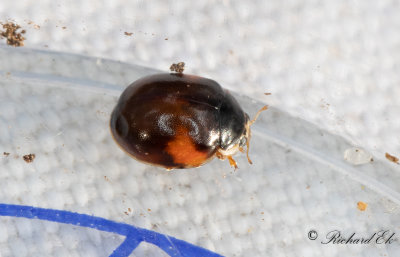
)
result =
(362, 206)
(128, 33)
(6, 154)
(10, 32)
(392, 158)
(35, 26)
(178, 67)
(29, 157)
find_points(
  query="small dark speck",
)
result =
(6, 154)
(29, 157)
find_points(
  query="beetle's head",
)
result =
(242, 141)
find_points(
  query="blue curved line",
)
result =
(134, 235)
(126, 248)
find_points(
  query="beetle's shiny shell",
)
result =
(176, 120)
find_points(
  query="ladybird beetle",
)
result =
(178, 121)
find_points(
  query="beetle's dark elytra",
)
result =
(178, 120)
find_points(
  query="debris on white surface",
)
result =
(362, 206)
(392, 158)
(357, 156)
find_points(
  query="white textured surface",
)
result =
(334, 63)
(58, 107)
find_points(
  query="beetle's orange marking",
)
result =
(183, 150)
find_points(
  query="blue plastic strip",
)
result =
(134, 235)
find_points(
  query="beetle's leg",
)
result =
(220, 155)
(232, 162)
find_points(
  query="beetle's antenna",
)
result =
(258, 114)
(247, 151)
(248, 136)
